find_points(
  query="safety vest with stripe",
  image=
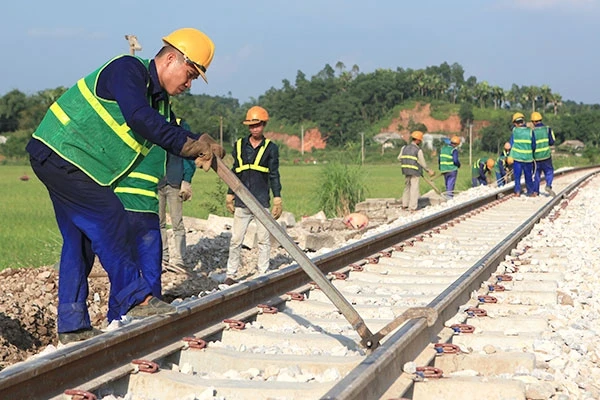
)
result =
(409, 161)
(138, 190)
(542, 145)
(522, 150)
(91, 133)
(447, 159)
(480, 162)
(256, 164)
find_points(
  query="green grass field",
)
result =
(30, 236)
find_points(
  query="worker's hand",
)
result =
(229, 203)
(277, 207)
(431, 172)
(203, 149)
(185, 192)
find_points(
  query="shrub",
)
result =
(341, 187)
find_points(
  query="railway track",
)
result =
(450, 292)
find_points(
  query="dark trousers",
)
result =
(146, 227)
(92, 220)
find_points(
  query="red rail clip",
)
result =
(487, 299)
(77, 394)
(504, 278)
(235, 324)
(296, 296)
(463, 328)
(476, 312)
(356, 267)
(146, 366)
(373, 260)
(496, 288)
(446, 348)
(430, 372)
(195, 343)
(339, 275)
(267, 309)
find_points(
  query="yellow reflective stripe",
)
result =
(144, 177)
(121, 130)
(59, 113)
(522, 141)
(409, 166)
(521, 151)
(446, 163)
(446, 156)
(410, 157)
(254, 166)
(141, 192)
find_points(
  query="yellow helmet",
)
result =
(510, 160)
(197, 48)
(536, 116)
(455, 140)
(517, 116)
(417, 135)
(506, 146)
(255, 115)
(490, 163)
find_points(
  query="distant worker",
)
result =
(256, 164)
(506, 149)
(482, 171)
(544, 138)
(92, 136)
(522, 144)
(449, 164)
(503, 169)
(413, 163)
(173, 190)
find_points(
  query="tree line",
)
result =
(343, 103)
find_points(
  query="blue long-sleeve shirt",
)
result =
(127, 81)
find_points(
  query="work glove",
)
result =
(185, 192)
(277, 207)
(229, 203)
(431, 172)
(203, 149)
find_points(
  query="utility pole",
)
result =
(134, 45)
(362, 148)
(221, 130)
(302, 140)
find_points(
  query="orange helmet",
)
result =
(256, 115)
(197, 48)
(507, 146)
(455, 140)
(510, 160)
(417, 135)
(490, 163)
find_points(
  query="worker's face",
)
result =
(256, 130)
(178, 74)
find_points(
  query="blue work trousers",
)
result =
(92, 220)
(146, 227)
(478, 181)
(547, 168)
(450, 181)
(523, 168)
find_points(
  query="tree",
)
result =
(466, 115)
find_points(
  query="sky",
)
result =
(260, 43)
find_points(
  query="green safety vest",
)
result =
(542, 147)
(91, 132)
(522, 150)
(475, 168)
(256, 164)
(447, 160)
(409, 160)
(138, 190)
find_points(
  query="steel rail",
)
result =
(77, 364)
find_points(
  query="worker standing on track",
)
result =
(256, 164)
(544, 138)
(413, 163)
(449, 164)
(522, 144)
(482, 171)
(93, 136)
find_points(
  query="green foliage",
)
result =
(341, 187)
(14, 148)
(592, 154)
(492, 137)
(466, 114)
(442, 110)
(214, 201)
(416, 126)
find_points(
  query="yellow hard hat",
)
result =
(455, 140)
(510, 160)
(490, 163)
(536, 116)
(517, 116)
(255, 115)
(197, 48)
(506, 146)
(417, 135)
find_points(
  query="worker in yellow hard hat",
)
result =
(92, 137)
(449, 164)
(413, 163)
(522, 144)
(481, 171)
(544, 138)
(256, 164)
